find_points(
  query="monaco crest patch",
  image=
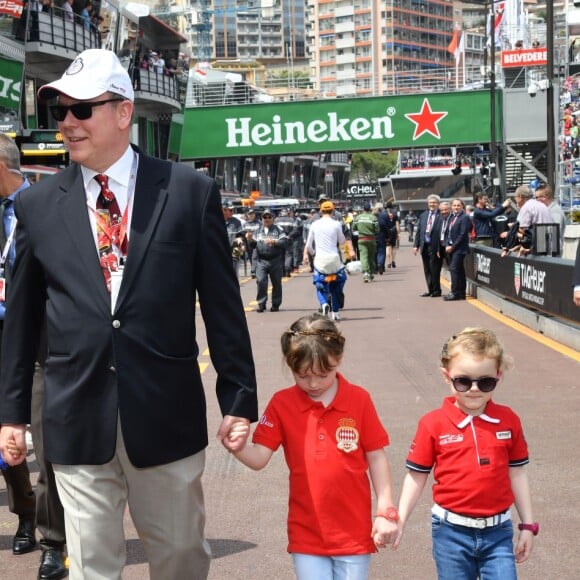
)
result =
(346, 435)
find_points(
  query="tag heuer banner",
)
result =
(10, 83)
(388, 122)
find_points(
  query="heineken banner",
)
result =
(388, 122)
(10, 83)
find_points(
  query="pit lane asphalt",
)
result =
(394, 338)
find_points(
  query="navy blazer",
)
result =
(576, 274)
(140, 363)
(434, 234)
(458, 233)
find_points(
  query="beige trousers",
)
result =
(166, 506)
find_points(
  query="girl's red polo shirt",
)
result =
(330, 498)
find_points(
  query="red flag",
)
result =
(452, 48)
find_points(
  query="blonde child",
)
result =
(477, 451)
(331, 436)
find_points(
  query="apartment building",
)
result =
(369, 47)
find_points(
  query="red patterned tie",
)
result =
(108, 209)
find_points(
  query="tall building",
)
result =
(272, 31)
(369, 47)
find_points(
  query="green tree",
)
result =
(370, 166)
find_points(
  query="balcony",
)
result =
(342, 75)
(348, 58)
(52, 41)
(347, 26)
(157, 93)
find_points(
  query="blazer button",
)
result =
(113, 369)
(116, 324)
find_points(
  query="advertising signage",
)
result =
(543, 284)
(524, 57)
(10, 83)
(388, 122)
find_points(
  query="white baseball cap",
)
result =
(92, 73)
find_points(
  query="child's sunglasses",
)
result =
(464, 384)
(81, 111)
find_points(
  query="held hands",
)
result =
(234, 432)
(385, 532)
(13, 443)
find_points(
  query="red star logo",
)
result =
(426, 121)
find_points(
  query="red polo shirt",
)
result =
(471, 458)
(330, 497)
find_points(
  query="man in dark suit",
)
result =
(427, 242)
(457, 247)
(46, 505)
(21, 499)
(113, 250)
(576, 278)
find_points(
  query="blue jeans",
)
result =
(463, 553)
(334, 289)
(309, 567)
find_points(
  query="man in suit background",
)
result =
(427, 242)
(113, 251)
(44, 506)
(576, 278)
(457, 247)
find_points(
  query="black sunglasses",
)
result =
(81, 111)
(464, 384)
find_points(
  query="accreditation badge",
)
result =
(347, 435)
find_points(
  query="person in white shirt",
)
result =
(545, 194)
(324, 238)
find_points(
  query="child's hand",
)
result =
(13, 449)
(237, 436)
(233, 432)
(524, 546)
(384, 532)
(399, 536)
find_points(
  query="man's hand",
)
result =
(13, 443)
(234, 432)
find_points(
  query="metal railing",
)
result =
(58, 28)
(158, 84)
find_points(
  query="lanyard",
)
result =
(7, 245)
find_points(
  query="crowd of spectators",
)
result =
(570, 135)
(80, 12)
(154, 61)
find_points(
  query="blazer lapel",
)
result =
(75, 217)
(148, 202)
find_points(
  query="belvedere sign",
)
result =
(389, 122)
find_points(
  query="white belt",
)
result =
(479, 523)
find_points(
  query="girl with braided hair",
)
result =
(331, 436)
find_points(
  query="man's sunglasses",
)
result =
(81, 111)
(464, 384)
